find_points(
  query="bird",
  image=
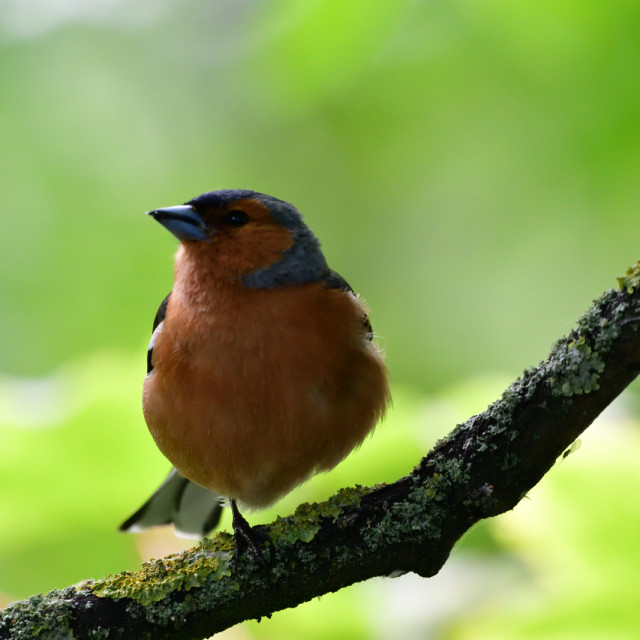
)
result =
(261, 370)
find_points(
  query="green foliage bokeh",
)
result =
(470, 168)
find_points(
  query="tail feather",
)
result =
(193, 510)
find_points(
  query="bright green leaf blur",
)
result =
(470, 168)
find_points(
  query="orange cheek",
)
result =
(252, 247)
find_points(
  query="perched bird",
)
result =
(261, 366)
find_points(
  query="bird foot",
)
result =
(248, 538)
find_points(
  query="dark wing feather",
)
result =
(162, 311)
(193, 510)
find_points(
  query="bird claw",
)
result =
(248, 538)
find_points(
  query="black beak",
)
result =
(182, 221)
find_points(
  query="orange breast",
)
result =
(261, 388)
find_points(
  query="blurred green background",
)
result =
(471, 168)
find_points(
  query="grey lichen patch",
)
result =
(602, 322)
(452, 471)
(307, 518)
(178, 572)
(579, 369)
(169, 613)
(45, 617)
(577, 361)
(423, 512)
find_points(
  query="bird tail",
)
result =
(193, 510)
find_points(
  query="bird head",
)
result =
(245, 235)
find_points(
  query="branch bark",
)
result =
(481, 469)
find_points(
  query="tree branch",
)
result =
(481, 469)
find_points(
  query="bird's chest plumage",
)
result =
(248, 389)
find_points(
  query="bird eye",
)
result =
(237, 218)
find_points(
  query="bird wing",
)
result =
(157, 327)
(193, 510)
